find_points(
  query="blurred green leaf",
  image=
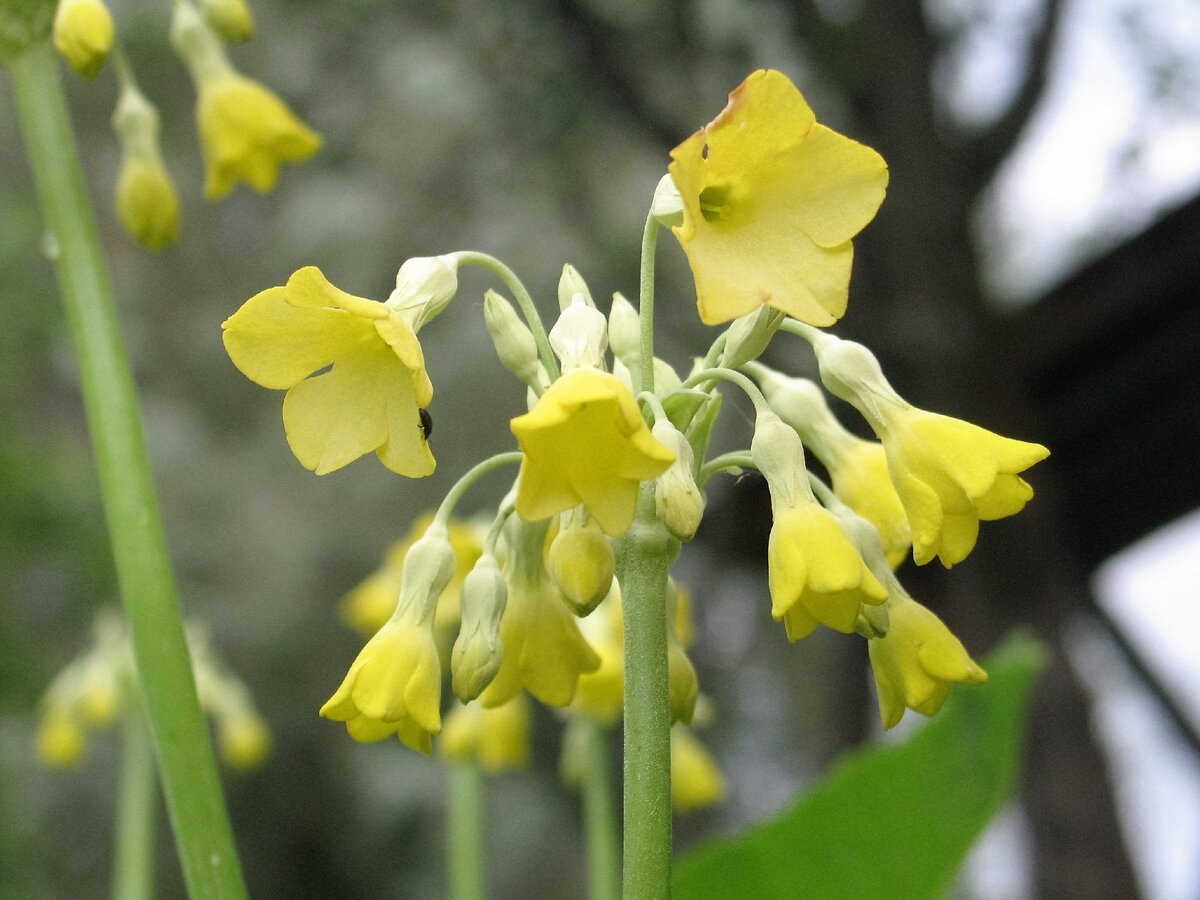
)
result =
(893, 821)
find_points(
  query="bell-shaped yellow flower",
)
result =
(696, 779)
(586, 442)
(371, 398)
(243, 739)
(950, 475)
(61, 740)
(83, 35)
(394, 686)
(771, 200)
(601, 693)
(544, 651)
(916, 662)
(496, 738)
(147, 203)
(859, 472)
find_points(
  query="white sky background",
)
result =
(1115, 143)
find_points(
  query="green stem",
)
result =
(465, 831)
(733, 377)
(181, 740)
(600, 821)
(645, 561)
(528, 309)
(446, 510)
(137, 804)
(740, 459)
(646, 304)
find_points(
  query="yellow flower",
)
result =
(497, 738)
(393, 687)
(243, 740)
(580, 562)
(231, 19)
(246, 133)
(147, 203)
(601, 693)
(83, 34)
(917, 661)
(696, 779)
(859, 472)
(951, 474)
(544, 652)
(371, 398)
(586, 442)
(61, 740)
(771, 200)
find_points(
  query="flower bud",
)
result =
(429, 566)
(425, 285)
(478, 652)
(779, 456)
(83, 35)
(677, 499)
(61, 741)
(624, 331)
(749, 336)
(231, 19)
(850, 371)
(513, 339)
(571, 284)
(580, 336)
(667, 205)
(581, 564)
(147, 203)
(243, 739)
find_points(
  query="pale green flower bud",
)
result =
(624, 331)
(429, 566)
(231, 19)
(571, 284)
(198, 45)
(779, 455)
(425, 285)
(667, 205)
(749, 336)
(513, 339)
(478, 651)
(581, 565)
(677, 500)
(146, 200)
(580, 336)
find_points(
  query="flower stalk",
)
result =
(181, 741)
(465, 831)
(137, 806)
(600, 824)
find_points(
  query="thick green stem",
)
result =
(646, 305)
(181, 740)
(600, 820)
(465, 831)
(137, 806)
(645, 560)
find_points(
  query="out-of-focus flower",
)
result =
(243, 739)
(83, 34)
(147, 203)
(497, 738)
(771, 200)
(586, 442)
(696, 779)
(231, 19)
(61, 740)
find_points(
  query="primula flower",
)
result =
(496, 738)
(372, 396)
(696, 779)
(243, 739)
(859, 472)
(61, 740)
(601, 693)
(231, 19)
(147, 203)
(83, 34)
(393, 687)
(771, 200)
(917, 661)
(586, 442)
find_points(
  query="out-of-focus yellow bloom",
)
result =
(231, 19)
(601, 693)
(696, 779)
(683, 687)
(61, 740)
(147, 203)
(99, 692)
(371, 397)
(586, 442)
(394, 686)
(83, 34)
(373, 600)
(917, 661)
(497, 738)
(771, 200)
(243, 740)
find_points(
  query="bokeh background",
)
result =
(1032, 269)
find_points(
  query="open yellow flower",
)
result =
(393, 687)
(586, 442)
(950, 475)
(83, 35)
(918, 660)
(371, 397)
(771, 200)
(497, 738)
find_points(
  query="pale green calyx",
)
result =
(624, 331)
(425, 285)
(513, 339)
(429, 566)
(580, 336)
(779, 455)
(850, 371)
(667, 205)
(570, 284)
(478, 651)
(197, 44)
(749, 336)
(677, 499)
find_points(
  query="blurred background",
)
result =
(1033, 270)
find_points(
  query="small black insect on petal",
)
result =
(426, 422)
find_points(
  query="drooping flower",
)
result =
(231, 19)
(372, 396)
(580, 562)
(917, 661)
(243, 739)
(61, 740)
(246, 131)
(497, 738)
(147, 203)
(949, 474)
(771, 200)
(83, 34)
(586, 442)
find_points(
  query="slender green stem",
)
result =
(528, 309)
(446, 510)
(600, 820)
(737, 460)
(465, 831)
(656, 407)
(646, 304)
(733, 377)
(181, 740)
(137, 807)
(645, 561)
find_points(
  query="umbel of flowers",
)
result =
(567, 595)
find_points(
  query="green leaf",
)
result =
(892, 821)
